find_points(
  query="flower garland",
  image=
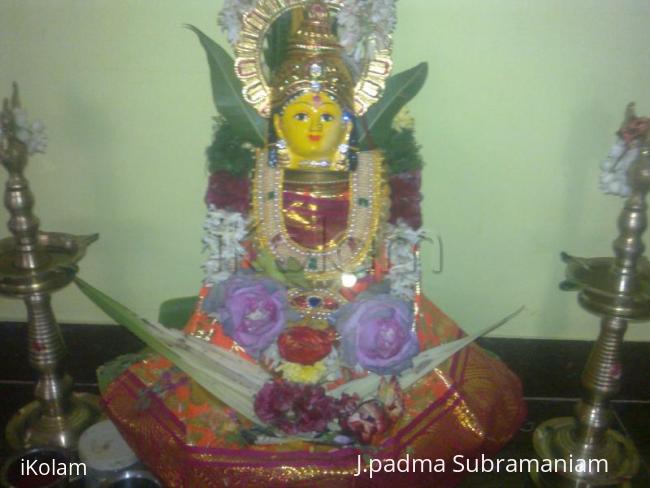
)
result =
(31, 134)
(229, 152)
(613, 176)
(231, 15)
(404, 162)
(405, 270)
(365, 26)
(224, 233)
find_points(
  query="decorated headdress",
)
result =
(314, 60)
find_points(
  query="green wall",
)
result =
(521, 104)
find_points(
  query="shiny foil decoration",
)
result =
(314, 220)
(304, 345)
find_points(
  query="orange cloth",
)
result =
(470, 405)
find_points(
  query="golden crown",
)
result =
(314, 60)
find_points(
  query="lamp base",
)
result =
(611, 464)
(30, 428)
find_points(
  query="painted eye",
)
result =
(301, 116)
(327, 117)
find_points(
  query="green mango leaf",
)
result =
(400, 89)
(297, 279)
(176, 312)
(291, 274)
(227, 93)
(265, 263)
(277, 41)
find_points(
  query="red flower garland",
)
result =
(229, 192)
(405, 198)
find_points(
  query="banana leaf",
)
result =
(227, 93)
(400, 89)
(234, 380)
(224, 374)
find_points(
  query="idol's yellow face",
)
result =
(313, 127)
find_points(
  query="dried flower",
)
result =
(376, 334)
(253, 311)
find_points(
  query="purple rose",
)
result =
(376, 334)
(253, 311)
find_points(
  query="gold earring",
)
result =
(340, 162)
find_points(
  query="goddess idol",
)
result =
(324, 349)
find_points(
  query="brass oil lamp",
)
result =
(618, 290)
(34, 264)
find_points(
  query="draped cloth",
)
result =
(470, 405)
(315, 220)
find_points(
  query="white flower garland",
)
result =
(405, 268)
(613, 176)
(231, 15)
(31, 134)
(365, 26)
(224, 232)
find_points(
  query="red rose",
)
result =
(304, 345)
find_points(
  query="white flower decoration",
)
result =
(231, 15)
(405, 269)
(224, 232)
(365, 26)
(613, 176)
(31, 134)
